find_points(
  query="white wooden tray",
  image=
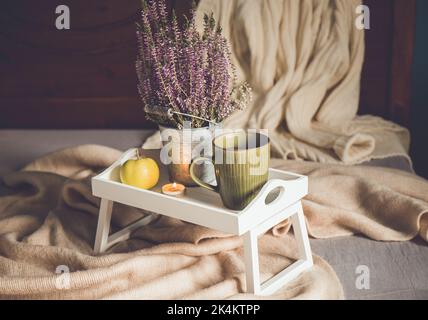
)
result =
(199, 205)
(279, 199)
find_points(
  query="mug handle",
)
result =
(199, 181)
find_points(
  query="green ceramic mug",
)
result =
(241, 163)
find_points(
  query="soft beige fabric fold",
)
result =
(49, 220)
(304, 59)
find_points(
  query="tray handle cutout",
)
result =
(275, 194)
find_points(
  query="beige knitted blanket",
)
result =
(48, 220)
(304, 59)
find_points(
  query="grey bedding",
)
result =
(396, 270)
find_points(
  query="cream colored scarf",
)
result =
(304, 59)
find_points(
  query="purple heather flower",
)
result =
(178, 69)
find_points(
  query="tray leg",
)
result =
(251, 253)
(103, 227)
(301, 234)
(254, 286)
(102, 239)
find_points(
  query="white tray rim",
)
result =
(219, 218)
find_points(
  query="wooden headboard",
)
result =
(85, 78)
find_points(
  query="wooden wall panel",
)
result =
(402, 61)
(85, 77)
(386, 77)
(78, 78)
(375, 86)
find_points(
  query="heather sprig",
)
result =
(180, 70)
